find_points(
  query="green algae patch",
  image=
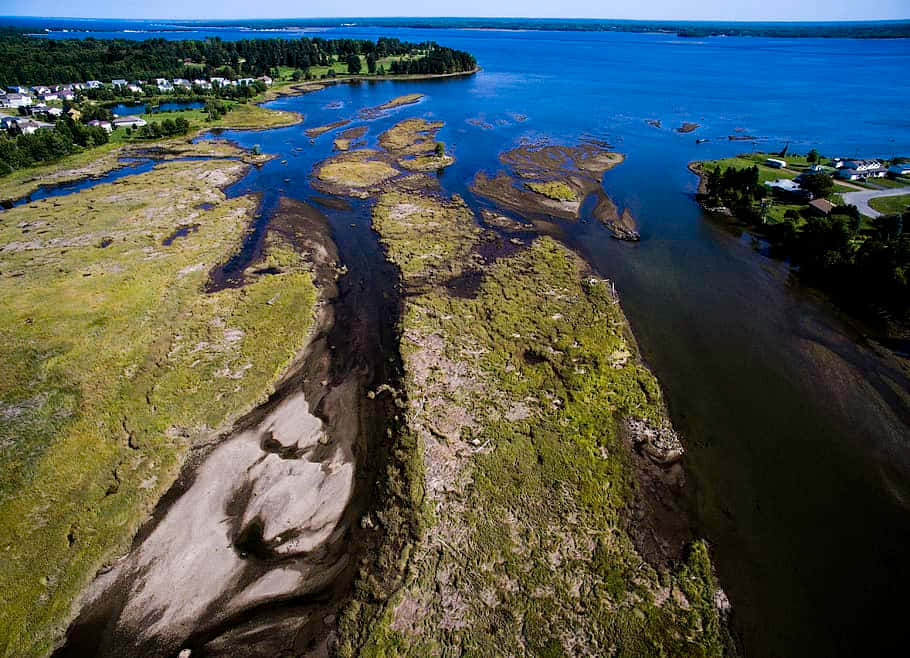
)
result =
(517, 396)
(556, 190)
(411, 137)
(354, 173)
(116, 361)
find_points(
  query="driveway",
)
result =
(861, 199)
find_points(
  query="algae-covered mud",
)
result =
(555, 181)
(525, 397)
(116, 361)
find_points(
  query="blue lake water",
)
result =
(125, 109)
(799, 439)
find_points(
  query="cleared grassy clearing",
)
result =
(891, 205)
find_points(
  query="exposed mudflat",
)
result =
(255, 544)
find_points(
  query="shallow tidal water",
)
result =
(798, 470)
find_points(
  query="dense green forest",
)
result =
(30, 60)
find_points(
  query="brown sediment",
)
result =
(321, 130)
(398, 101)
(688, 127)
(742, 138)
(575, 168)
(350, 137)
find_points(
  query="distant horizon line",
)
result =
(478, 18)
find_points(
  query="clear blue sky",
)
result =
(742, 10)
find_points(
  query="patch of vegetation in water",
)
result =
(515, 399)
(115, 361)
(556, 190)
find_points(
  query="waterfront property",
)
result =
(129, 121)
(776, 163)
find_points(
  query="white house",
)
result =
(849, 173)
(129, 121)
(48, 97)
(163, 84)
(777, 164)
(199, 82)
(55, 111)
(17, 100)
(93, 84)
(118, 83)
(182, 82)
(136, 89)
(102, 124)
(266, 80)
(221, 82)
(41, 89)
(246, 81)
(30, 126)
(862, 165)
(899, 169)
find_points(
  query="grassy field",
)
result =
(517, 394)
(891, 205)
(114, 362)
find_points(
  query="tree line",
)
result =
(862, 268)
(26, 60)
(67, 136)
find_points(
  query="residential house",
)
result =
(899, 169)
(74, 114)
(18, 90)
(821, 206)
(41, 89)
(246, 81)
(51, 96)
(17, 100)
(136, 89)
(777, 164)
(102, 124)
(204, 84)
(788, 187)
(93, 84)
(55, 111)
(853, 173)
(118, 83)
(182, 82)
(163, 84)
(265, 80)
(129, 121)
(862, 165)
(219, 82)
(7, 122)
(30, 126)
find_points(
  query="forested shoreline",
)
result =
(27, 60)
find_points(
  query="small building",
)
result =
(246, 81)
(821, 206)
(93, 84)
(203, 84)
(136, 89)
(74, 114)
(50, 96)
(862, 165)
(266, 80)
(163, 84)
(16, 89)
(102, 124)
(899, 170)
(182, 82)
(220, 82)
(788, 188)
(129, 121)
(16, 100)
(118, 83)
(55, 111)
(776, 163)
(849, 173)
(41, 89)
(31, 126)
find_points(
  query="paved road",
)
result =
(861, 199)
